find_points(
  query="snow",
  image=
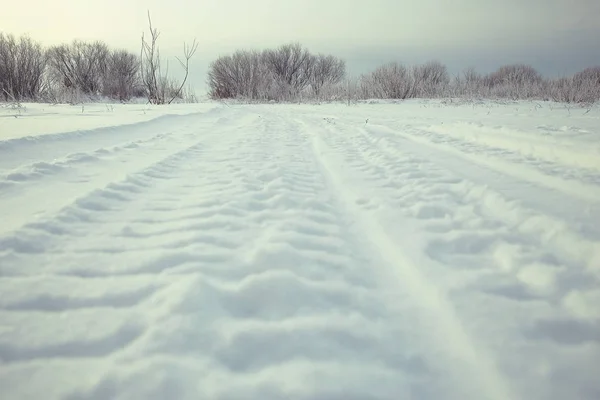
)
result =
(418, 250)
(31, 120)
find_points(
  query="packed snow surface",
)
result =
(420, 250)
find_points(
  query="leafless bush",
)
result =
(222, 78)
(587, 85)
(430, 79)
(22, 64)
(82, 70)
(160, 89)
(283, 74)
(468, 84)
(291, 66)
(517, 81)
(396, 81)
(562, 90)
(516, 74)
(589, 75)
(471, 77)
(122, 78)
(244, 74)
(326, 70)
(583, 87)
(351, 90)
(79, 66)
(391, 81)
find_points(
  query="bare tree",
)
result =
(160, 89)
(150, 65)
(326, 70)
(22, 65)
(188, 53)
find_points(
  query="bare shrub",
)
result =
(587, 85)
(122, 75)
(22, 65)
(468, 84)
(582, 87)
(392, 81)
(430, 79)
(517, 74)
(589, 75)
(242, 74)
(517, 81)
(562, 90)
(396, 81)
(222, 78)
(472, 82)
(80, 66)
(326, 70)
(291, 66)
(283, 74)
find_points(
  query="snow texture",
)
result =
(377, 251)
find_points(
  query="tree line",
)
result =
(291, 72)
(78, 70)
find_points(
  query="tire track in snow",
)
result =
(586, 173)
(291, 315)
(31, 149)
(549, 189)
(236, 269)
(80, 173)
(75, 299)
(73, 168)
(476, 373)
(484, 250)
(146, 276)
(46, 256)
(231, 269)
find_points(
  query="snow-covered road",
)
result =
(303, 252)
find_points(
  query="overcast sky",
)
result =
(555, 36)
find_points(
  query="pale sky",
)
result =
(555, 36)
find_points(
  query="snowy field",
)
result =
(418, 250)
